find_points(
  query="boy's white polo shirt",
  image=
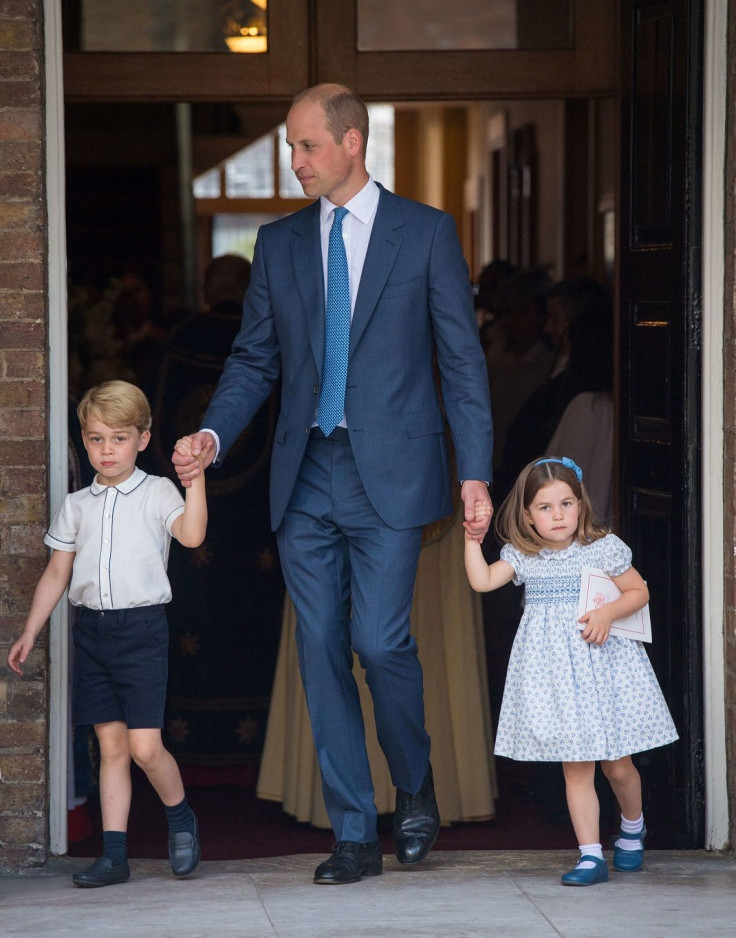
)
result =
(121, 536)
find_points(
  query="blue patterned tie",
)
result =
(337, 331)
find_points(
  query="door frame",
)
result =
(58, 469)
(716, 807)
(713, 319)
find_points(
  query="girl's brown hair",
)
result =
(511, 523)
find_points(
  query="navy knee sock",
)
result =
(180, 817)
(115, 845)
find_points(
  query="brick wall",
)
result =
(23, 420)
(729, 341)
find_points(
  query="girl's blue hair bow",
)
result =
(566, 462)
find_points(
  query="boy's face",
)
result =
(113, 451)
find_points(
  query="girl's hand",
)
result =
(597, 626)
(481, 515)
(19, 652)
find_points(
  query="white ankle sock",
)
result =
(631, 827)
(589, 850)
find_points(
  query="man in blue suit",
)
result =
(360, 460)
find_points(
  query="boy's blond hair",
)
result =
(116, 404)
(511, 523)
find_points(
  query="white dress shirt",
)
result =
(357, 226)
(121, 536)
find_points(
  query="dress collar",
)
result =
(132, 482)
(548, 553)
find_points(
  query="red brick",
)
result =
(19, 94)
(25, 245)
(16, 423)
(28, 829)
(17, 35)
(17, 9)
(21, 157)
(23, 539)
(21, 335)
(28, 304)
(10, 629)
(23, 452)
(18, 185)
(22, 394)
(14, 858)
(28, 736)
(18, 65)
(20, 125)
(21, 275)
(23, 364)
(27, 698)
(22, 768)
(22, 799)
(26, 509)
(16, 482)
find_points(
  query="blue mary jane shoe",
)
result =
(582, 876)
(629, 861)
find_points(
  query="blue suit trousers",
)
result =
(351, 579)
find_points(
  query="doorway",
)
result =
(669, 662)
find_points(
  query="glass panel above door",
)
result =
(426, 25)
(168, 26)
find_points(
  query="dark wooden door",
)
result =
(660, 374)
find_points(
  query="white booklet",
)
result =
(597, 589)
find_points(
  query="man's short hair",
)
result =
(116, 404)
(344, 109)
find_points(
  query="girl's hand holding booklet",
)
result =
(597, 589)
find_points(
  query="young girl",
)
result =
(573, 695)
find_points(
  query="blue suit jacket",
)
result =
(414, 294)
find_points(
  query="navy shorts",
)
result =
(121, 665)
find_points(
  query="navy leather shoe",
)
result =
(184, 851)
(416, 822)
(629, 861)
(103, 872)
(581, 876)
(350, 862)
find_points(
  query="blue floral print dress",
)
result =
(566, 700)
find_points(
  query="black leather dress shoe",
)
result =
(103, 872)
(184, 851)
(350, 861)
(416, 822)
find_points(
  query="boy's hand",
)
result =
(19, 652)
(192, 454)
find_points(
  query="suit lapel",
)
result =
(306, 256)
(383, 247)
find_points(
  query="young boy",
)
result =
(112, 539)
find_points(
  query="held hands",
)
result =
(192, 454)
(478, 509)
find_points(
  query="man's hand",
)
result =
(186, 456)
(477, 519)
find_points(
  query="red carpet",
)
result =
(234, 824)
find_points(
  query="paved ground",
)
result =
(451, 895)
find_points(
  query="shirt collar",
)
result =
(362, 205)
(132, 482)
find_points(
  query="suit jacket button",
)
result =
(316, 389)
